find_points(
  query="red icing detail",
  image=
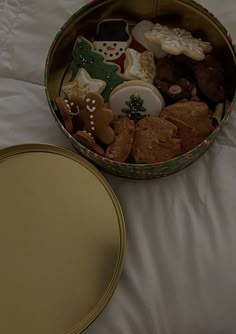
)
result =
(230, 37)
(119, 61)
(137, 46)
(230, 109)
(110, 48)
(52, 45)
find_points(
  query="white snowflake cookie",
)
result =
(138, 33)
(178, 41)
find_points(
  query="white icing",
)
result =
(91, 109)
(141, 66)
(75, 113)
(110, 50)
(88, 100)
(138, 33)
(82, 85)
(177, 41)
(152, 102)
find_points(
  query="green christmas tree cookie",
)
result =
(135, 104)
(94, 64)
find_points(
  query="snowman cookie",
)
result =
(96, 119)
(112, 39)
(136, 99)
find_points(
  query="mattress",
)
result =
(180, 269)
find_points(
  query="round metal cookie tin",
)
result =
(62, 241)
(186, 14)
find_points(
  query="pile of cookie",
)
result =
(141, 95)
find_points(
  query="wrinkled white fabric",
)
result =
(180, 268)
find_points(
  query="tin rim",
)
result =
(125, 165)
(44, 148)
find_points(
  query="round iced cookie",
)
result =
(136, 99)
(138, 33)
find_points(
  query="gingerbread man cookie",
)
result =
(96, 119)
(68, 109)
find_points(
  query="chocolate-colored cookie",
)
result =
(189, 136)
(120, 149)
(88, 141)
(175, 79)
(155, 141)
(65, 111)
(195, 114)
(209, 75)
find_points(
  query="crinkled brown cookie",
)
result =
(155, 141)
(123, 124)
(195, 114)
(120, 149)
(189, 136)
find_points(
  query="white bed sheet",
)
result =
(180, 269)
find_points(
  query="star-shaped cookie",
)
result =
(140, 66)
(82, 85)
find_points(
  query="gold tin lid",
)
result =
(62, 241)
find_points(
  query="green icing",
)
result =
(135, 107)
(94, 64)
